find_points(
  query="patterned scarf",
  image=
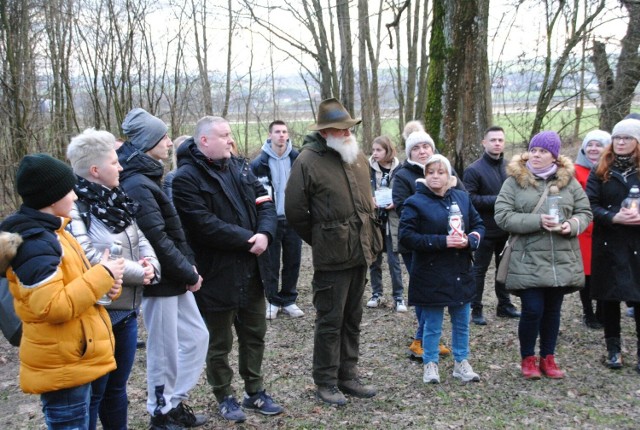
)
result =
(113, 207)
(624, 164)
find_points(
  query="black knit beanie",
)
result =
(42, 180)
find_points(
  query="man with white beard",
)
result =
(328, 202)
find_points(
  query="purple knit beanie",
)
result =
(548, 140)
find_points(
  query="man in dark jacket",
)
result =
(329, 204)
(272, 167)
(230, 220)
(483, 180)
(176, 333)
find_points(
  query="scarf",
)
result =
(545, 173)
(111, 206)
(624, 164)
(583, 161)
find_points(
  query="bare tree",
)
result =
(18, 74)
(313, 18)
(617, 90)
(18, 99)
(553, 70)
(199, 17)
(411, 93)
(347, 75)
(59, 31)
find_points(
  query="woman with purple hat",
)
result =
(545, 261)
(615, 275)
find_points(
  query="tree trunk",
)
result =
(347, 74)
(363, 73)
(466, 92)
(617, 91)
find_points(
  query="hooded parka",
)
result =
(66, 337)
(541, 258)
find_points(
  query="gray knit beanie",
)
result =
(144, 130)
(415, 138)
(627, 127)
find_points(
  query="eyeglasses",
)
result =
(626, 139)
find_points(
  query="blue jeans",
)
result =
(67, 409)
(481, 260)
(375, 271)
(289, 243)
(406, 258)
(433, 317)
(110, 392)
(540, 316)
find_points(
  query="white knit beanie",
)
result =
(438, 158)
(599, 136)
(629, 127)
(418, 137)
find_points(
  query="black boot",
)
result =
(614, 356)
(591, 321)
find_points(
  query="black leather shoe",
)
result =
(509, 311)
(477, 318)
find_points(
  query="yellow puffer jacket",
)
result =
(67, 339)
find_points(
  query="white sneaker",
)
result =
(400, 306)
(431, 374)
(272, 311)
(293, 311)
(375, 301)
(464, 371)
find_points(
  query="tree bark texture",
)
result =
(617, 90)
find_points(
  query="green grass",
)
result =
(517, 127)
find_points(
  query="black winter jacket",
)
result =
(219, 220)
(483, 180)
(440, 276)
(260, 165)
(141, 179)
(615, 258)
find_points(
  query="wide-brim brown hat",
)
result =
(331, 114)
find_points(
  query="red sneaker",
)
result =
(549, 368)
(530, 368)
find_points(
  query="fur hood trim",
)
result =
(453, 181)
(517, 168)
(9, 244)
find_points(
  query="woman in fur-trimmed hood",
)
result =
(545, 263)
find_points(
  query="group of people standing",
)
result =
(507, 203)
(201, 256)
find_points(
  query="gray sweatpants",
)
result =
(177, 340)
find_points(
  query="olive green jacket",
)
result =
(541, 258)
(329, 204)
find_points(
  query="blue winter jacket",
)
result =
(440, 276)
